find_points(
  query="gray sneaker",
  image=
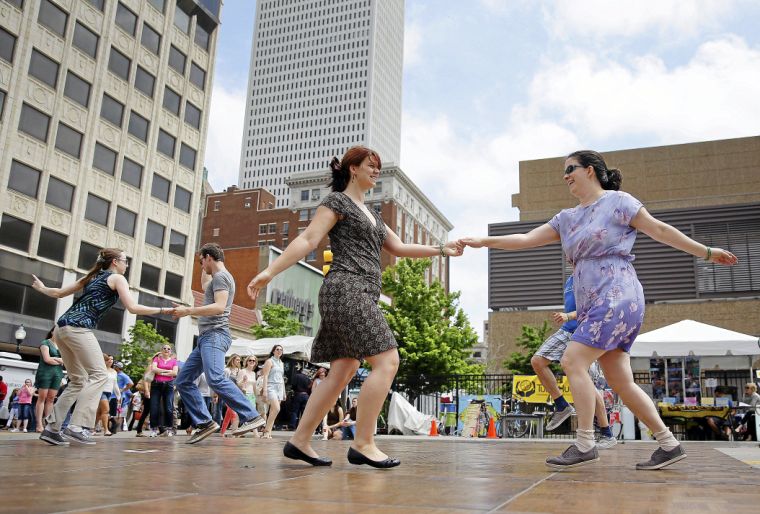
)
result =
(661, 458)
(82, 437)
(54, 438)
(203, 431)
(559, 417)
(250, 425)
(572, 458)
(606, 442)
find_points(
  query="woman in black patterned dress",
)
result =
(353, 328)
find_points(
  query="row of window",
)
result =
(271, 228)
(126, 19)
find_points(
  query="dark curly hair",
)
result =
(609, 178)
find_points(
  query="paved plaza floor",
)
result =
(126, 474)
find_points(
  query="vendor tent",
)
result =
(295, 347)
(689, 337)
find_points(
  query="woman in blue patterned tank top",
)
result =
(103, 286)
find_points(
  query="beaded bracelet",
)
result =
(441, 249)
(709, 254)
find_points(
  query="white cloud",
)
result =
(412, 45)
(598, 19)
(225, 134)
(471, 178)
(712, 96)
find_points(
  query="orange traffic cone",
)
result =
(433, 428)
(491, 430)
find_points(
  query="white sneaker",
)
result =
(606, 442)
(14, 429)
(152, 433)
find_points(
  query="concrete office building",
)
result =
(324, 76)
(709, 190)
(103, 118)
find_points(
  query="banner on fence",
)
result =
(529, 389)
(471, 423)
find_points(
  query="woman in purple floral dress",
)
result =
(597, 236)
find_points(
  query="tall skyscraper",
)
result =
(103, 118)
(324, 76)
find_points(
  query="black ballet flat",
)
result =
(292, 452)
(354, 457)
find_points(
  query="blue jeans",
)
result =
(162, 391)
(297, 407)
(208, 358)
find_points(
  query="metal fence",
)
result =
(731, 381)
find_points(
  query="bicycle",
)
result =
(512, 428)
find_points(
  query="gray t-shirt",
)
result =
(221, 281)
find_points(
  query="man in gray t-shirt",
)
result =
(208, 356)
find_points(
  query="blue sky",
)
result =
(488, 83)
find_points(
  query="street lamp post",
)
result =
(20, 336)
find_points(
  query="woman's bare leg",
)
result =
(373, 393)
(321, 401)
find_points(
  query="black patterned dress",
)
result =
(352, 323)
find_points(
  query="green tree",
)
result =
(432, 331)
(530, 340)
(279, 321)
(142, 344)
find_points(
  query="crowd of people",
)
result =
(596, 236)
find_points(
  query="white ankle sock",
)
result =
(666, 440)
(584, 440)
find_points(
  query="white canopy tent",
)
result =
(689, 337)
(295, 347)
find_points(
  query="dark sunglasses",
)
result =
(572, 168)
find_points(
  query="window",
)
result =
(215, 232)
(262, 229)
(273, 228)
(68, 140)
(131, 172)
(304, 195)
(160, 188)
(126, 19)
(312, 256)
(15, 233)
(97, 209)
(177, 243)
(86, 40)
(97, 4)
(158, 4)
(2, 102)
(119, 64)
(7, 45)
(145, 82)
(43, 68)
(112, 110)
(285, 227)
(138, 126)
(166, 143)
(171, 101)
(182, 20)
(52, 17)
(303, 214)
(149, 277)
(378, 189)
(173, 285)
(182, 199)
(150, 39)
(312, 213)
(177, 60)
(262, 243)
(187, 157)
(88, 254)
(59, 194)
(192, 115)
(77, 89)
(52, 245)
(315, 194)
(154, 234)
(197, 76)
(125, 221)
(202, 37)
(24, 179)
(284, 242)
(104, 159)
(34, 123)
(217, 205)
